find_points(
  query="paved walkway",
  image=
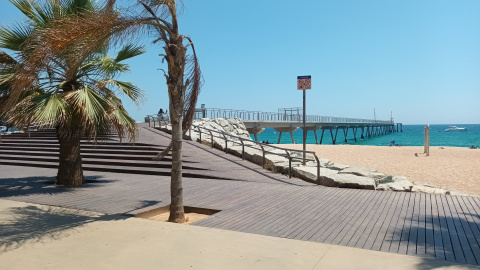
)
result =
(260, 202)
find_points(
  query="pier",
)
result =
(291, 119)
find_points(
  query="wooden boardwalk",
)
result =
(256, 201)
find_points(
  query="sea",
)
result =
(412, 135)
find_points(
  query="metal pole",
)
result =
(304, 128)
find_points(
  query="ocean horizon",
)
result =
(412, 135)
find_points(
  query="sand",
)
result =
(452, 168)
(189, 217)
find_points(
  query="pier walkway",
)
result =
(250, 199)
(291, 119)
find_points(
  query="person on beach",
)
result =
(392, 142)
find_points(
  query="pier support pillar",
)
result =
(321, 138)
(316, 140)
(286, 129)
(331, 133)
(291, 136)
(255, 132)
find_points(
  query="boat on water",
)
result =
(455, 128)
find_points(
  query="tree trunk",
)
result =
(176, 89)
(70, 171)
(177, 214)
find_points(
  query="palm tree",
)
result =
(183, 89)
(80, 34)
(73, 91)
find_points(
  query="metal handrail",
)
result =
(262, 146)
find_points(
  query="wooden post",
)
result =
(427, 140)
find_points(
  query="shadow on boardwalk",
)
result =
(454, 239)
(42, 185)
(22, 225)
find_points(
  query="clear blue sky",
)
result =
(417, 58)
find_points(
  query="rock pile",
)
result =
(331, 174)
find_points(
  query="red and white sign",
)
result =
(304, 82)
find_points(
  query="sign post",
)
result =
(304, 83)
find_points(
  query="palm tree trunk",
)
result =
(176, 89)
(177, 214)
(70, 166)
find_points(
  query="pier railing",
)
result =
(278, 116)
(290, 154)
(283, 116)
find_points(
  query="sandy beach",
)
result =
(452, 168)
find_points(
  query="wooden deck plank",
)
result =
(356, 224)
(395, 225)
(406, 230)
(421, 232)
(355, 205)
(295, 216)
(334, 219)
(467, 239)
(472, 217)
(370, 220)
(403, 227)
(326, 215)
(452, 231)
(283, 211)
(437, 229)
(259, 209)
(447, 243)
(475, 210)
(377, 228)
(307, 217)
(242, 210)
(429, 227)
(388, 223)
(306, 229)
(350, 227)
(412, 237)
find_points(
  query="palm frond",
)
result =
(124, 125)
(129, 51)
(29, 9)
(194, 81)
(14, 37)
(110, 66)
(133, 92)
(43, 108)
(88, 104)
(80, 6)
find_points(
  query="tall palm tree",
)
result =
(73, 91)
(80, 34)
(183, 88)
